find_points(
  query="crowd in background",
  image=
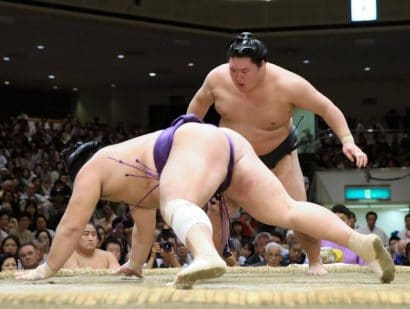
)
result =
(35, 189)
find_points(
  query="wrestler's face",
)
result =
(245, 74)
(89, 239)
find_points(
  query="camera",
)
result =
(166, 245)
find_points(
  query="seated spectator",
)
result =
(102, 236)
(41, 224)
(22, 232)
(261, 239)
(88, 255)
(249, 225)
(119, 232)
(247, 250)
(295, 255)
(405, 234)
(349, 257)
(236, 231)
(115, 247)
(274, 255)
(290, 236)
(393, 246)
(4, 223)
(406, 261)
(42, 240)
(108, 215)
(401, 255)
(29, 256)
(8, 262)
(10, 245)
(31, 209)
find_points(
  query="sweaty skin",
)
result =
(253, 187)
(258, 102)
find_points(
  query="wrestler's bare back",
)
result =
(118, 169)
(262, 115)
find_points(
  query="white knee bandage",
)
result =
(181, 215)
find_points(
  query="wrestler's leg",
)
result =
(267, 201)
(192, 174)
(289, 173)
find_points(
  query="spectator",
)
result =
(4, 223)
(10, 245)
(247, 250)
(371, 228)
(401, 255)
(22, 232)
(108, 216)
(261, 239)
(349, 257)
(295, 255)
(274, 255)
(43, 242)
(88, 255)
(393, 247)
(250, 226)
(41, 224)
(115, 247)
(405, 234)
(102, 236)
(29, 256)
(8, 262)
(163, 256)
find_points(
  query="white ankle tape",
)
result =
(181, 215)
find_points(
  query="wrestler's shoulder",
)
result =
(221, 71)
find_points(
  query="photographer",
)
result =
(163, 251)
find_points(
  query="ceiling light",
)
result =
(51, 76)
(113, 85)
(6, 58)
(75, 89)
(191, 64)
(367, 69)
(6, 82)
(152, 74)
(40, 47)
(120, 56)
(306, 61)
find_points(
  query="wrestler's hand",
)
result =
(41, 272)
(129, 269)
(354, 153)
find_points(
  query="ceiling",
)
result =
(81, 51)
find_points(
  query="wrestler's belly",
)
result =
(263, 141)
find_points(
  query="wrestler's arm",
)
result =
(203, 99)
(86, 193)
(305, 96)
(143, 234)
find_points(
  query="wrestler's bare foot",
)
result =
(200, 269)
(381, 262)
(316, 269)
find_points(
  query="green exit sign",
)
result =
(368, 193)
